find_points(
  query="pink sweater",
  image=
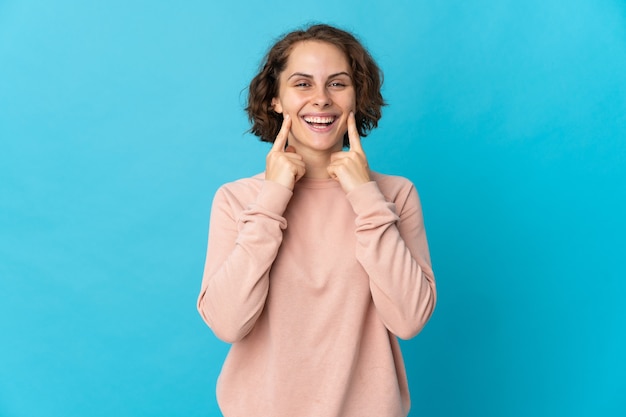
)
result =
(312, 287)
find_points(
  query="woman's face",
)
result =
(317, 92)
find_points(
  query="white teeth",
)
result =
(321, 120)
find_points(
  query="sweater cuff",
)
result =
(274, 197)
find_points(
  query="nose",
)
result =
(321, 98)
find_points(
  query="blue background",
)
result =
(119, 120)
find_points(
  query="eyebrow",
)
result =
(302, 74)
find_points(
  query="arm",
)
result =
(392, 248)
(245, 234)
(391, 242)
(243, 242)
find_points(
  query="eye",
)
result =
(339, 84)
(302, 84)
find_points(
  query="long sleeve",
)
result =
(393, 250)
(245, 233)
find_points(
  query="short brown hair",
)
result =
(366, 75)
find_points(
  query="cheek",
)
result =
(350, 102)
(288, 105)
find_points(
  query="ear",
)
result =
(276, 105)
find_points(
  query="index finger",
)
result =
(353, 134)
(283, 134)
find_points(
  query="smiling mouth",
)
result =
(319, 122)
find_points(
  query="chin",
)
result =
(326, 143)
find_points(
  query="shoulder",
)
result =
(240, 191)
(396, 189)
(392, 185)
(243, 185)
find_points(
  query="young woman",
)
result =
(317, 265)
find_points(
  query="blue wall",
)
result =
(119, 119)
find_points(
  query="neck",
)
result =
(316, 162)
(316, 167)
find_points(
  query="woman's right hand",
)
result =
(284, 165)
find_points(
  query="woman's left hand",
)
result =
(350, 167)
